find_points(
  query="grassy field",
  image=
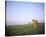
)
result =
(24, 30)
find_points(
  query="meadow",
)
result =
(16, 30)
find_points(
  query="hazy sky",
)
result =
(24, 12)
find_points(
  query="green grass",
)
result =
(24, 30)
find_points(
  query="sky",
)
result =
(23, 12)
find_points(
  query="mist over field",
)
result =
(24, 18)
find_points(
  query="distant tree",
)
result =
(29, 23)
